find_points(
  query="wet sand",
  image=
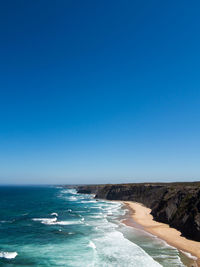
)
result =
(141, 215)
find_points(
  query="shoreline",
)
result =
(142, 217)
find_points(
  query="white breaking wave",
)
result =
(169, 256)
(53, 221)
(88, 201)
(67, 222)
(46, 220)
(92, 245)
(8, 255)
(72, 198)
(54, 214)
(189, 255)
(100, 216)
(119, 251)
(109, 212)
(69, 191)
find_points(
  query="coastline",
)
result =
(141, 216)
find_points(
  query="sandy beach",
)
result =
(142, 216)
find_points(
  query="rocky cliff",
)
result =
(177, 204)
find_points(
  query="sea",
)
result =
(55, 226)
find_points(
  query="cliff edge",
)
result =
(177, 204)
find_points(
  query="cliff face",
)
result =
(177, 204)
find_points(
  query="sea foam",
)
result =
(54, 221)
(8, 255)
(189, 255)
(119, 251)
(46, 220)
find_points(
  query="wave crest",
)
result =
(53, 221)
(8, 255)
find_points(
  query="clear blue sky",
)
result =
(99, 91)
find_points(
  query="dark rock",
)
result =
(177, 204)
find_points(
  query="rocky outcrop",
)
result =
(177, 204)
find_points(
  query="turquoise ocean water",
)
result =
(53, 226)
